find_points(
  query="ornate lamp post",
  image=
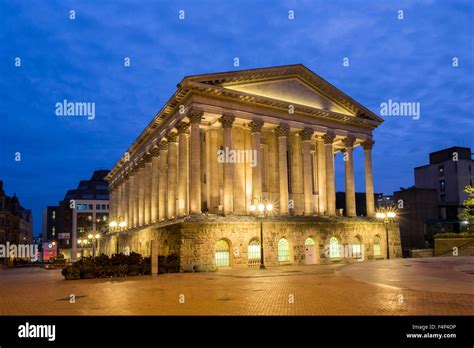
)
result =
(262, 208)
(387, 217)
(94, 239)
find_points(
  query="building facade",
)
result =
(16, 222)
(84, 211)
(226, 141)
(433, 204)
(449, 172)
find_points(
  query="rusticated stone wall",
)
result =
(194, 239)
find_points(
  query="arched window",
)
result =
(254, 252)
(356, 248)
(283, 250)
(377, 250)
(334, 248)
(222, 253)
(309, 241)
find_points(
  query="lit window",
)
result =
(254, 252)
(309, 241)
(377, 251)
(283, 250)
(356, 248)
(441, 170)
(442, 185)
(334, 248)
(222, 254)
(54, 215)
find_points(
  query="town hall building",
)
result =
(240, 164)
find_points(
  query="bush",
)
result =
(71, 273)
(454, 235)
(103, 266)
(168, 264)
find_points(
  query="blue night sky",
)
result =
(407, 60)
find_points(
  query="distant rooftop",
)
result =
(447, 154)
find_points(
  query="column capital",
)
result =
(349, 141)
(147, 157)
(182, 127)
(227, 120)
(328, 138)
(283, 130)
(256, 126)
(163, 145)
(141, 163)
(306, 133)
(368, 144)
(195, 116)
(155, 151)
(172, 137)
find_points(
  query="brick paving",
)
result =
(289, 290)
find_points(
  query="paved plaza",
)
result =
(434, 286)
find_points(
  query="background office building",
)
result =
(16, 222)
(84, 211)
(434, 203)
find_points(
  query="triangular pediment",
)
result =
(291, 90)
(290, 84)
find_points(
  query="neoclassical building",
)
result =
(224, 142)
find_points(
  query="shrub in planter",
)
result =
(173, 263)
(88, 272)
(146, 265)
(71, 273)
(133, 270)
(121, 271)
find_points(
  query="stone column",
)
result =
(141, 194)
(369, 180)
(118, 200)
(195, 159)
(148, 190)
(131, 201)
(155, 175)
(328, 139)
(126, 213)
(321, 169)
(227, 120)
(172, 173)
(183, 169)
(256, 130)
(306, 136)
(282, 132)
(349, 175)
(162, 180)
(111, 203)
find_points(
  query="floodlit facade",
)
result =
(191, 182)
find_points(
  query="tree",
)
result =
(468, 213)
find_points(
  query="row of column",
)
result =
(325, 169)
(163, 187)
(157, 188)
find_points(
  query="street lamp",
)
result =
(94, 239)
(387, 217)
(113, 224)
(264, 208)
